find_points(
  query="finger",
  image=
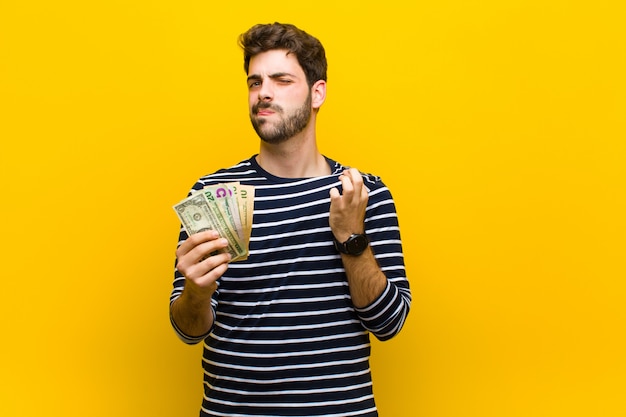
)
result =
(353, 187)
(206, 250)
(198, 253)
(356, 178)
(358, 185)
(195, 240)
(211, 268)
(353, 173)
(206, 270)
(346, 183)
(204, 276)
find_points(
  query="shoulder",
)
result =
(371, 179)
(239, 168)
(235, 173)
(372, 182)
(377, 189)
(337, 168)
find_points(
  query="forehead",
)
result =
(273, 62)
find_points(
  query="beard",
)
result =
(288, 125)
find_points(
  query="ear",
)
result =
(318, 94)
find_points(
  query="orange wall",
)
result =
(499, 127)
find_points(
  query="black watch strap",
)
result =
(355, 245)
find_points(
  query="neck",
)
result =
(297, 157)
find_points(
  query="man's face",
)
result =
(279, 96)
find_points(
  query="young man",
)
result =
(286, 332)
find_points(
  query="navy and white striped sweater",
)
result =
(287, 340)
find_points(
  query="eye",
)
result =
(254, 84)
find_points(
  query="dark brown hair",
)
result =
(307, 49)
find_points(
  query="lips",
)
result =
(265, 109)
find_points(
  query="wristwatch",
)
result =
(355, 245)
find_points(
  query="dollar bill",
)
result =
(225, 198)
(245, 199)
(242, 197)
(198, 214)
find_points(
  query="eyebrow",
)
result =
(272, 76)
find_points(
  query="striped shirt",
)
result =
(286, 339)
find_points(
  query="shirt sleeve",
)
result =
(179, 285)
(386, 316)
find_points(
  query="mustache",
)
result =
(266, 105)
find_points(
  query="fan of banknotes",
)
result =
(226, 208)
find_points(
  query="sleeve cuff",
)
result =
(190, 340)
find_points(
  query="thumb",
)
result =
(334, 193)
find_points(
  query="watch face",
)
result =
(356, 244)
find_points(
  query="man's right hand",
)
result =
(202, 260)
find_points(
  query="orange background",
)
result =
(499, 127)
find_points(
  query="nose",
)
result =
(266, 93)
